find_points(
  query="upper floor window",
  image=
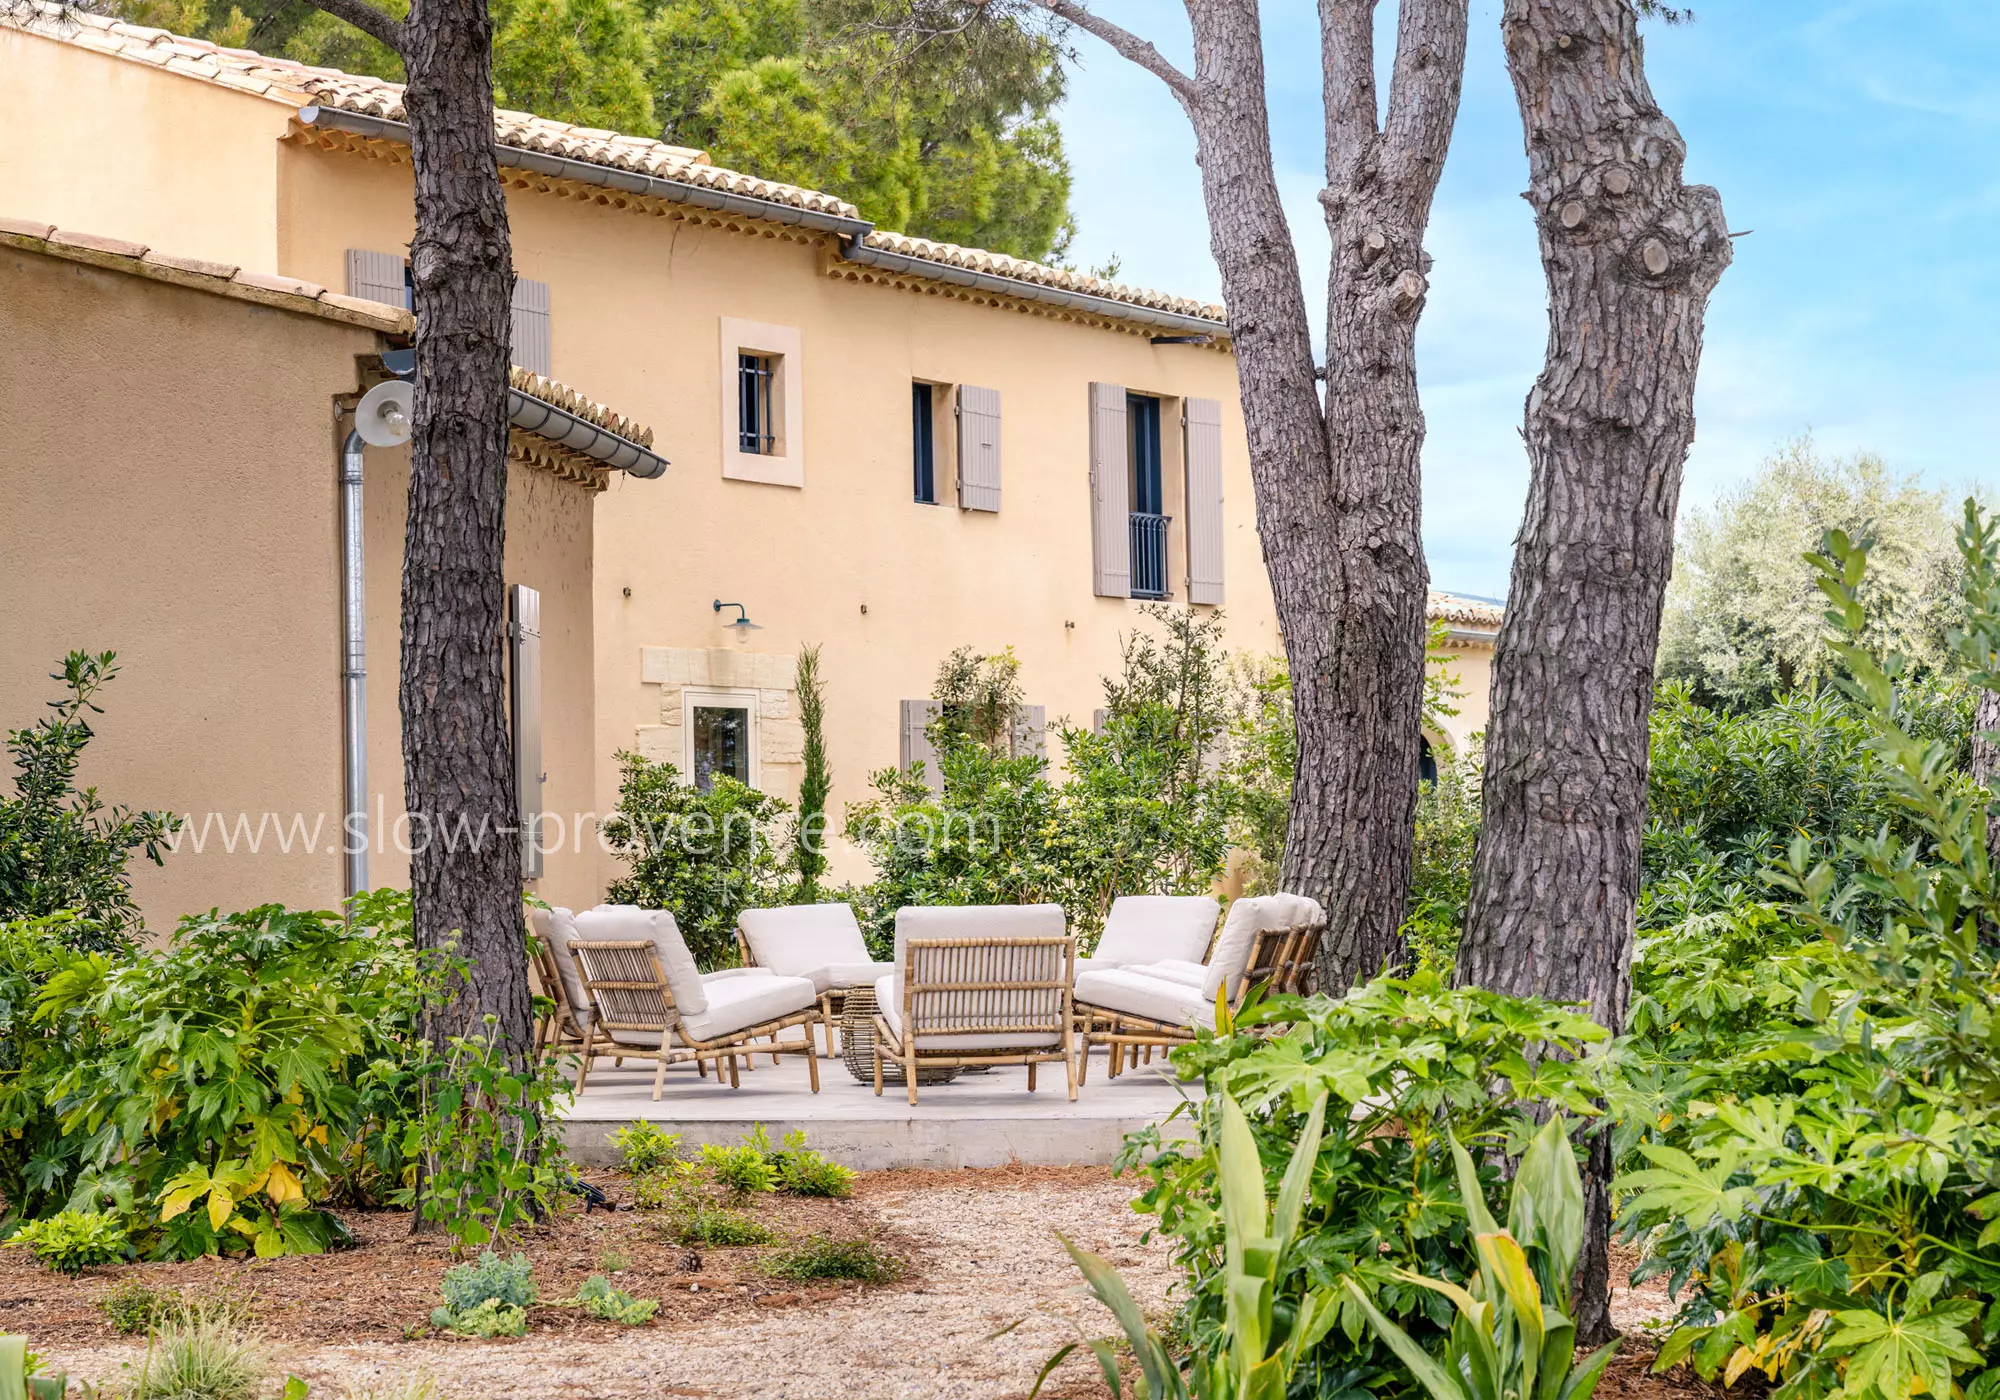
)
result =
(756, 396)
(923, 444)
(1149, 524)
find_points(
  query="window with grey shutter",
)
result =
(531, 325)
(1204, 500)
(1099, 717)
(378, 277)
(1110, 493)
(914, 742)
(1031, 731)
(525, 661)
(978, 448)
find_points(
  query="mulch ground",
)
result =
(384, 1288)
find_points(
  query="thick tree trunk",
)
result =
(1630, 254)
(1337, 485)
(1986, 761)
(459, 783)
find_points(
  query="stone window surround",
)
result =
(782, 344)
(777, 762)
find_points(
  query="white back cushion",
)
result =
(1247, 918)
(617, 923)
(556, 926)
(1145, 928)
(973, 921)
(793, 941)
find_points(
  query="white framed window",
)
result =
(720, 729)
(763, 403)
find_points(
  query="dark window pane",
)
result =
(721, 744)
(754, 432)
(922, 435)
(1149, 526)
(1427, 764)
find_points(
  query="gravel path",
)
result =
(989, 1257)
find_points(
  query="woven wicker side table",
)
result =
(857, 1044)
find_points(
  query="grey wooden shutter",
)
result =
(978, 448)
(914, 742)
(531, 325)
(525, 659)
(1099, 717)
(1110, 492)
(377, 277)
(1204, 500)
(1031, 731)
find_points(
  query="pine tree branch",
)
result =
(1124, 42)
(366, 18)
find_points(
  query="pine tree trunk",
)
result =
(1630, 255)
(1338, 489)
(459, 783)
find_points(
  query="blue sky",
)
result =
(1860, 141)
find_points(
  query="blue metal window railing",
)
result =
(1149, 554)
(754, 385)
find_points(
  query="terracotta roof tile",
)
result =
(291, 285)
(300, 85)
(27, 228)
(1466, 612)
(200, 266)
(117, 246)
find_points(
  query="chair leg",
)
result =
(1069, 1066)
(910, 1071)
(1031, 1076)
(583, 1068)
(660, 1076)
(812, 1057)
(826, 1020)
(1082, 1056)
(878, 1066)
(734, 1082)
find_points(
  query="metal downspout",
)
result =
(354, 667)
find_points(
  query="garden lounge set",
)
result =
(970, 987)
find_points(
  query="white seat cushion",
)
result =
(736, 1003)
(1156, 999)
(844, 975)
(1192, 974)
(555, 927)
(1084, 965)
(795, 939)
(614, 923)
(722, 972)
(1145, 928)
(892, 1012)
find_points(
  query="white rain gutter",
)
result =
(853, 232)
(605, 176)
(853, 249)
(354, 667)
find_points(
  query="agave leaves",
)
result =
(1261, 1348)
(1512, 1338)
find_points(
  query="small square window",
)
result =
(721, 736)
(923, 439)
(756, 397)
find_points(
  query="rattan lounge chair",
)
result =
(978, 985)
(1150, 928)
(1269, 941)
(650, 1002)
(820, 942)
(556, 978)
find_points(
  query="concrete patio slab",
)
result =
(978, 1120)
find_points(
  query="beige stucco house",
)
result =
(880, 445)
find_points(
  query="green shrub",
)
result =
(724, 1228)
(61, 848)
(133, 1308)
(489, 1137)
(1408, 1064)
(822, 1258)
(745, 1169)
(804, 1172)
(706, 855)
(73, 1240)
(491, 1318)
(507, 1281)
(1829, 1181)
(600, 1299)
(203, 1356)
(644, 1147)
(672, 1187)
